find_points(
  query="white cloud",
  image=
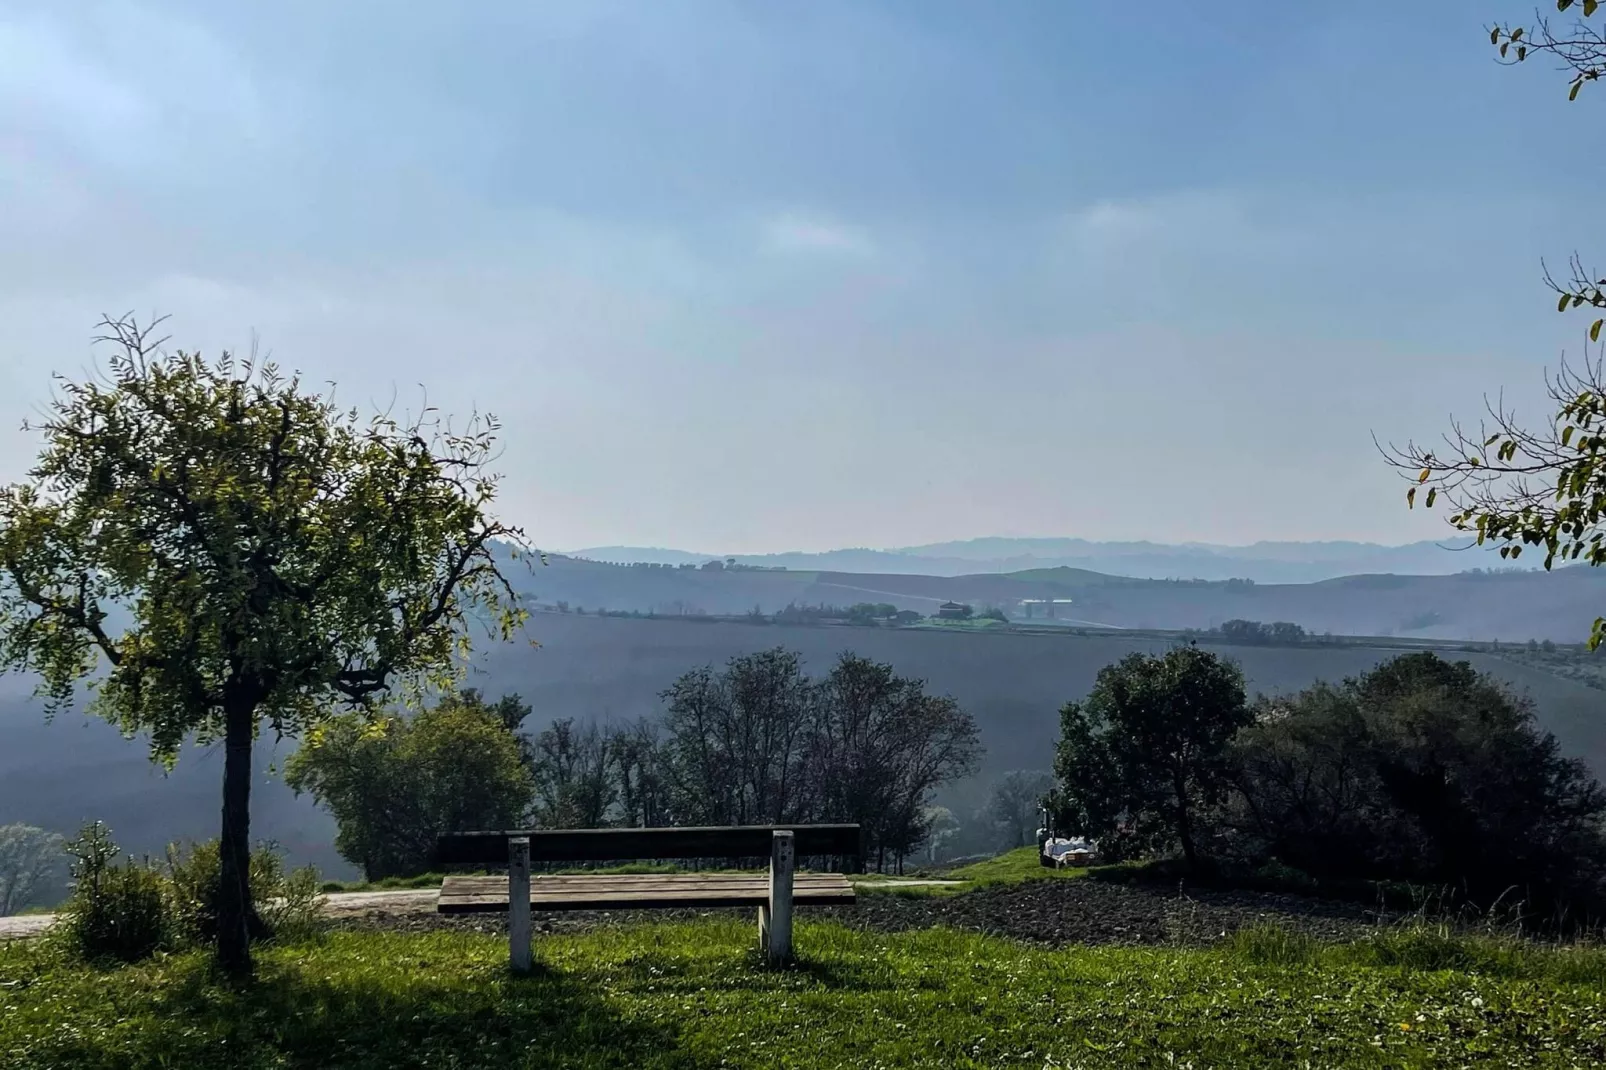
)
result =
(811, 234)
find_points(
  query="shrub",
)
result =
(284, 903)
(118, 911)
(1421, 771)
(396, 785)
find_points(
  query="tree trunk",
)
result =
(1184, 823)
(235, 909)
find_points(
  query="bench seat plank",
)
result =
(483, 895)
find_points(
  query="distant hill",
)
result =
(1505, 606)
(1263, 562)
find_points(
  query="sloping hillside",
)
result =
(1263, 562)
(72, 770)
(1510, 607)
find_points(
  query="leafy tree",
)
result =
(1016, 802)
(32, 863)
(1142, 756)
(395, 785)
(1516, 486)
(239, 550)
(1420, 770)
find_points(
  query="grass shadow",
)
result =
(308, 1009)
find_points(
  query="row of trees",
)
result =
(757, 742)
(1254, 632)
(1421, 770)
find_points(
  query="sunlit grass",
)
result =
(695, 995)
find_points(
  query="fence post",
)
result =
(782, 855)
(518, 902)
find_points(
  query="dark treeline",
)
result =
(755, 742)
(861, 613)
(1254, 632)
(1419, 773)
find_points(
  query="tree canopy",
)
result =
(1421, 770)
(396, 784)
(1143, 755)
(238, 550)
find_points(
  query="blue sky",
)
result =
(762, 276)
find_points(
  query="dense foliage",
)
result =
(1421, 770)
(1141, 760)
(396, 784)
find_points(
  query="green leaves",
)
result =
(1590, 7)
(188, 521)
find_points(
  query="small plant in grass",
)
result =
(119, 910)
(1273, 945)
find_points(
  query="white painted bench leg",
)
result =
(518, 903)
(778, 945)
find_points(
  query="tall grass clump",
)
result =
(1273, 945)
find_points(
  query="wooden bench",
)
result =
(774, 894)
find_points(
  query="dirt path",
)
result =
(359, 904)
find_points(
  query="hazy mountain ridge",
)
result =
(1263, 562)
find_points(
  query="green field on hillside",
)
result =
(695, 995)
(974, 624)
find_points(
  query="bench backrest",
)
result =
(608, 845)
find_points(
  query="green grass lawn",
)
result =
(695, 995)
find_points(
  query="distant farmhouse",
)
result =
(953, 611)
(1029, 606)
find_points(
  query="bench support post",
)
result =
(778, 939)
(518, 903)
